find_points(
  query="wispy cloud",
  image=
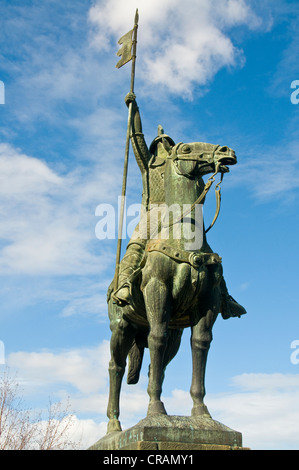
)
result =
(52, 74)
(270, 171)
(287, 65)
(89, 302)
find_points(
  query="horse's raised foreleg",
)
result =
(201, 338)
(121, 341)
(157, 304)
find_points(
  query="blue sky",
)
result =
(213, 71)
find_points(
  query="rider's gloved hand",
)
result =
(130, 97)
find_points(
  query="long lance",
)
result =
(128, 52)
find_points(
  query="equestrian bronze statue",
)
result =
(166, 283)
(169, 277)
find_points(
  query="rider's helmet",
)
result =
(155, 147)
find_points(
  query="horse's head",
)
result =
(207, 156)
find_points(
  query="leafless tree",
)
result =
(21, 429)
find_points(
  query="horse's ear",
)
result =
(166, 145)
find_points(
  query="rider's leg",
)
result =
(229, 306)
(128, 266)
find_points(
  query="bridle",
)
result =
(205, 191)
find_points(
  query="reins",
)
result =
(218, 202)
(205, 191)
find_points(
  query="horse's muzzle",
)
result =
(225, 156)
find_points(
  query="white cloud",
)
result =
(86, 432)
(263, 407)
(81, 376)
(47, 219)
(265, 410)
(84, 369)
(269, 382)
(21, 174)
(180, 44)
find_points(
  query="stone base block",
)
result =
(170, 433)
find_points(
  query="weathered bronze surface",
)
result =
(163, 432)
(164, 285)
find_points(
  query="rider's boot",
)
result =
(127, 270)
(229, 306)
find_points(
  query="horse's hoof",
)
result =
(156, 408)
(113, 425)
(200, 410)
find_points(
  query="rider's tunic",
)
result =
(152, 169)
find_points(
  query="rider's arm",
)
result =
(140, 148)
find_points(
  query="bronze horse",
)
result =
(177, 286)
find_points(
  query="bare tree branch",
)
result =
(21, 430)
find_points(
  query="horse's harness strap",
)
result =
(193, 258)
(201, 198)
(218, 203)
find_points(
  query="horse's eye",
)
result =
(186, 148)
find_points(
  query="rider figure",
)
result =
(151, 162)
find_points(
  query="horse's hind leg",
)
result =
(173, 344)
(121, 341)
(201, 338)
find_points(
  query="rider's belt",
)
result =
(195, 259)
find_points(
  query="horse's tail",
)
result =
(135, 357)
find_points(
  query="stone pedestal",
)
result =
(166, 433)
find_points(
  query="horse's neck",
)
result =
(182, 184)
(183, 224)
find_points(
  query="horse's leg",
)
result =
(173, 344)
(121, 341)
(201, 338)
(157, 304)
